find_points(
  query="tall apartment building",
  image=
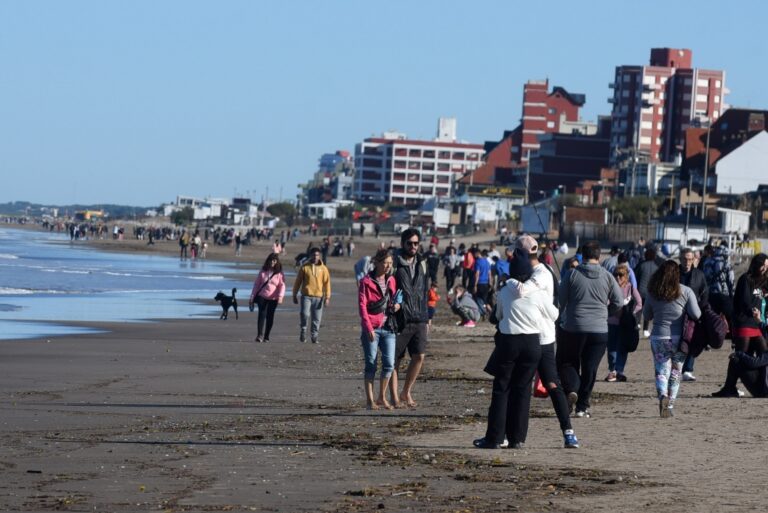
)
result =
(544, 112)
(405, 171)
(653, 105)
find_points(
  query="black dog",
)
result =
(226, 303)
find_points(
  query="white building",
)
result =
(743, 169)
(404, 171)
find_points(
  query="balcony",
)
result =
(611, 85)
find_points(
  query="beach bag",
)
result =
(539, 390)
(686, 337)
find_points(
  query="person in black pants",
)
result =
(515, 358)
(268, 291)
(751, 370)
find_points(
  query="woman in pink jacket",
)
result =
(376, 301)
(268, 291)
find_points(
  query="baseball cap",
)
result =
(527, 243)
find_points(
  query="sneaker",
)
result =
(611, 377)
(315, 341)
(505, 443)
(584, 414)
(621, 378)
(469, 324)
(664, 411)
(265, 340)
(259, 339)
(482, 443)
(688, 376)
(572, 398)
(724, 392)
(518, 445)
(460, 323)
(740, 392)
(569, 439)
(303, 336)
(646, 333)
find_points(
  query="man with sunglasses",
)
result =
(412, 279)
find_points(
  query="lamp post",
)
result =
(706, 168)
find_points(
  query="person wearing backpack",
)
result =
(618, 335)
(268, 291)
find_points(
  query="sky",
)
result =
(137, 102)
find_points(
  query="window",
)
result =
(428, 166)
(372, 150)
(443, 166)
(429, 154)
(413, 177)
(552, 110)
(458, 155)
(371, 175)
(427, 178)
(399, 164)
(443, 179)
(401, 152)
(400, 177)
(444, 154)
(414, 153)
(717, 98)
(413, 165)
(550, 124)
(371, 163)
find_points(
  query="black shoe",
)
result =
(482, 443)
(621, 378)
(724, 392)
(518, 445)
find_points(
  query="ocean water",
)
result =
(45, 279)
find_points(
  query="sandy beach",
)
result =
(192, 415)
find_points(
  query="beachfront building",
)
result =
(502, 175)
(207, 208)
(653, 105)
(393, 168)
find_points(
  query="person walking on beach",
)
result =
(749, 319)
(451, 267)
(515, 357)
(314, 282)
(588, 294)
(183, 244)
(413, 280)
(376, 302)
(268, 291)
(543, 279)
(238, 244)
(617, 350)
(666, 305)
(693, 279)
(643, 272)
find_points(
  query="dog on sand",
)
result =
(227, 302)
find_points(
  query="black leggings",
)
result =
(549, 377)
(267, 309)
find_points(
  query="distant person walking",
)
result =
(695, 280)
(643, 273)
(313, 281)
(268, 291)
(666, 305)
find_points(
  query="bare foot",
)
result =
(372, 406)
(408, 401)
(384, 404)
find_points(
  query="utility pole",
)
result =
(706, 168)
(527, 176)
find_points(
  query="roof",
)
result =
(416, 142)
(574, 98)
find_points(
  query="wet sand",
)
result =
(192, 415)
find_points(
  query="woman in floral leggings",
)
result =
(666, 305)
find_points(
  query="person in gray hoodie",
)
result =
(588, 294)
(464, 305)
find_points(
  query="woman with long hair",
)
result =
(376, 302)
(749, 319)
(268, 291)
(666, 304)
(617, 353)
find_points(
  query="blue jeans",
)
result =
(385, 342)
(617, 357)
(311, 308)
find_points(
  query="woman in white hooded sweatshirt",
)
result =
(515, 357)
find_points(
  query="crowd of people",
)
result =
(552, 328)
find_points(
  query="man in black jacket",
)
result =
(696, 281)
(413, 280)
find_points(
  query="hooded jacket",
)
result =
(414, 287)
(588, 295)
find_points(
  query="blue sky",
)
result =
(136, 102)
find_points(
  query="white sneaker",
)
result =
(740, 392)
(688, 376)
(646, 333)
